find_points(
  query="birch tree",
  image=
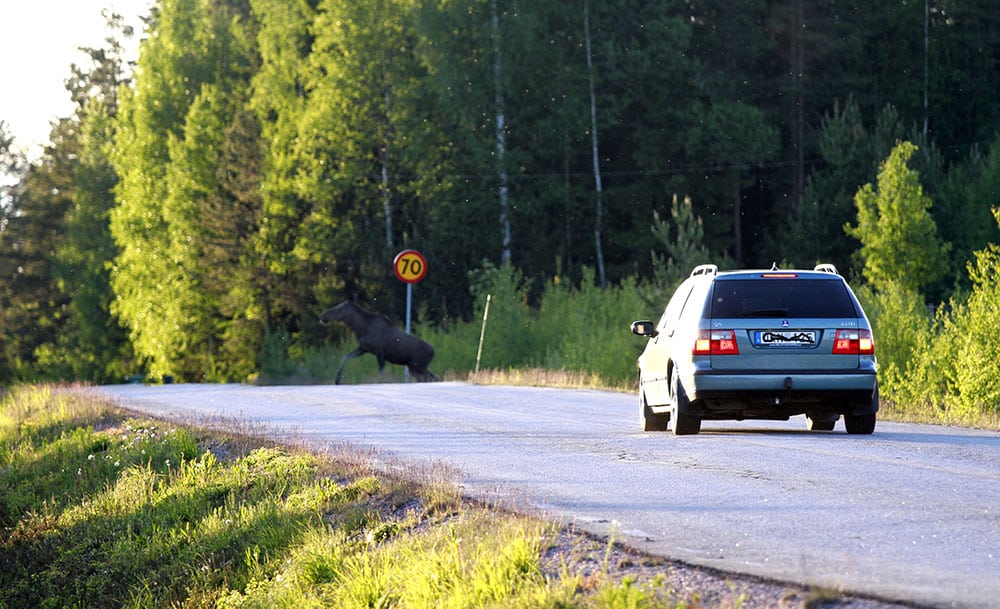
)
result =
(595, 155)
(500, 124)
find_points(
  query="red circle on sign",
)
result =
(410, 266)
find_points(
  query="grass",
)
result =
(543, 377)
(101, 508)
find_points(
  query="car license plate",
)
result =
(784, 338)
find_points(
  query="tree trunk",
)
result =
(799, 67)
(598, 186)
(737, 221)
(384, 162)
(501, 138)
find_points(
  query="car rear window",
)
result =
(794, 298)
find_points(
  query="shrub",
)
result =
(903, 333)
(972, 330)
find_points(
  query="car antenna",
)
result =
(774, 266)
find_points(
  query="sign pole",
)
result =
(409, 305)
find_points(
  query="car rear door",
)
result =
(785, 322)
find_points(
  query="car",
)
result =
(759, 344)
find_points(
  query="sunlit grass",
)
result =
(103, 509)
(542, 377)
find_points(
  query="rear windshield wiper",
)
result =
(768, 313)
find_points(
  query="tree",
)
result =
(107, 70)
(11, 167)
(898, 237)
(278, 99)
(968, 191)
(193, 43)
(598, 183)
(32, 305)
(684, 247)
(205, 224)
(740, 138)
(93, 345)
(361, 131)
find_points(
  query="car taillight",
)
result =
(853, 342)
(716, 342)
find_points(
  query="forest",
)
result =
(261, 160)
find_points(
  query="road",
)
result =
(911, 513)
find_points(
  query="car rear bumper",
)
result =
(768, 394)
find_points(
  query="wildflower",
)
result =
(117, 464)
(90, 457)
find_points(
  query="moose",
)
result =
(376, 335)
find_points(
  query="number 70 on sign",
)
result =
(410, 266)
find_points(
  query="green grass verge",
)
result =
(103, 509)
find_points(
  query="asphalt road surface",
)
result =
(911, 513)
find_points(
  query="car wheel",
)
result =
(820, 424)
(653, 421)
(862, 424)
(681, 424)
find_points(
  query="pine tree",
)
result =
(684, 247)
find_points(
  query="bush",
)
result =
(972, 331)
(576, 329)
(903, 333)
(586, 329)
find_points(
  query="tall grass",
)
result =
(100, 509)
(581, 330)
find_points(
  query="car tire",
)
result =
(681, 424)
(820, 424)
(653, 421)
(863, 424)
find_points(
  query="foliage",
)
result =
(943, 366)
(574, 328)
(93, 345)
(685, 249)
(33, 307)
(159, 296)
(898, 236)
(972, 329)
(904, 332)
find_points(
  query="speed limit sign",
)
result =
(410, 266)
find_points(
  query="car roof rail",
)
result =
(826, 268)
(705, 269)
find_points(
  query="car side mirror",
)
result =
(644, 328)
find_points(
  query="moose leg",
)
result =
(343, 362)
(424, 375)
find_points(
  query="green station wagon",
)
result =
(759, 344)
